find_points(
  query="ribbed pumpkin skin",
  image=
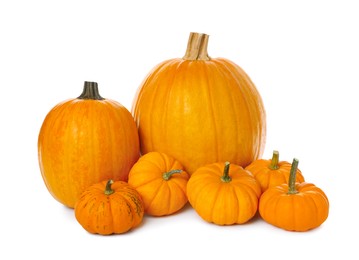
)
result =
(82, 142)
(200, 112)
(161, 197)
(116, 213)
(303, 211)
(223, 203)
(268, 177)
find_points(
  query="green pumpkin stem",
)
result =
(90, 91)
(274, 162)
(225, 177)
(292, 177)
(167, 175)
(108, 189)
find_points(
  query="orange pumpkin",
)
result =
(294, 206)
(161, 182)
(272, 172)
(200, 110)
(223, 197)
(83, 141)
(109, 208)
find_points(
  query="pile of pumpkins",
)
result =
(196, 134)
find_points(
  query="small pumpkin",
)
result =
(200, 110)
(109, 207)
(272, 172)
(161, 182)
(223, 196)
(83, 141)
(294, 206)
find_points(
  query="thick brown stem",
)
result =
(197, 47)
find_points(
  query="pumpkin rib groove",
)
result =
(253, 110)
(234, 195)
(315, 203)
(218, 190)
(212, 109)
(139, 185)
(243, 95)
(155, 197)
(241, 193)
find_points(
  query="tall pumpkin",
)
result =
(200, 110)
(83, 141)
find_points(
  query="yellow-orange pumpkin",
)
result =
(161, 182)
(272, 172)
(294, 206)
(200, 110)
(83, 141)
(223, 194)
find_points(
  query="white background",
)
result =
(303, 57)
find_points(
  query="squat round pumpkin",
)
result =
(83, 141)
(200, 110)
(161, 182)
(223, 196)
(294, 206)
(109, 208)
(272, 172)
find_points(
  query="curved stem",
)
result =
(90, 91)
(167, 175)
(275, 159)
(197, 47)
(225, 177)
(292, 177)
(108, 189)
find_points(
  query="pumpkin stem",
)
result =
(108, 190)
(292, 177)
(167, 175)
(275, 159)
(225, 177)
(197, 47)
(90, 91)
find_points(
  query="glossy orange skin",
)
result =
(223, 203)
(161, 197)
(116, 213)
(82, 142)
(302, 211)
(268, 177)
(200, 112)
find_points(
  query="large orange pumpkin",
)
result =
(200, 110)
(86, 140)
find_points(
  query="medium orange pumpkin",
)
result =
(223, 197)
(200, 110)
(294, 206)
(272, 172)
(109, 208)
(161, 182)
(83, 141)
